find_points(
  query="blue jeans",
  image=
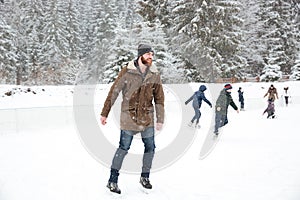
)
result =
(124, 145)
(220, 120)
(197, 115)
(242, 104)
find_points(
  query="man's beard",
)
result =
(147, 62)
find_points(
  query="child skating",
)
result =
(197, 98)
(270, 110)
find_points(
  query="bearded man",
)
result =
(140, 84)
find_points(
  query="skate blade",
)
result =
(114, 195)
(145, 190)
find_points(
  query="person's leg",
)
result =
(286, 100)
(149, 149)
(220, 120)
(149, 144)
(198, 115)
(217, 122)
(124, 145)
(273, 115)
(269, 113)
(195, 115)
(242, 105)
(225, 120)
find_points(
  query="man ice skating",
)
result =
(222, 103)
(140, 84)
(197, 98)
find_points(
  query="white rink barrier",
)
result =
(34, 119)
(16, 120)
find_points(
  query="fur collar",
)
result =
(130, 65)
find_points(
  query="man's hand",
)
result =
(159, 126)
(103, 120)
(237, 111)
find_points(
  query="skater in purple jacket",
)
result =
(270, 110)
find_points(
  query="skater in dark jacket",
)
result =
(223, 101)
(197, 98)
(286, 95)
(270, 110)
(241, 98)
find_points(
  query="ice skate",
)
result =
(145, 182)
(113, 187)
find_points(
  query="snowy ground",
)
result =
(43, 157)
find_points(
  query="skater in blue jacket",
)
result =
(197, 98)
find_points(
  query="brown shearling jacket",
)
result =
(138, 92)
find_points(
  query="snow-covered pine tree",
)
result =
(296, 70)
(72, 26)
(99, 33)
(250, 46)
(32, 23)
(209, 37)
(55, 47)
(17, 14)
(104, 23)
(71, 71)
(157, 22)
(229, 46)
(271, 72)
(188, 32)
(121, 47)
(277, 38)
(8, 57)
(295, 19)
(85, 18)
(128, 32)
(289, 10)
(211, 45)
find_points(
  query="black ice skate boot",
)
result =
(113, 187)
(145, 182)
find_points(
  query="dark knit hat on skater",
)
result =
(228, 87)
(202, 88)
(144, 48)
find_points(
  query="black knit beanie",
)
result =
(144, 48)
